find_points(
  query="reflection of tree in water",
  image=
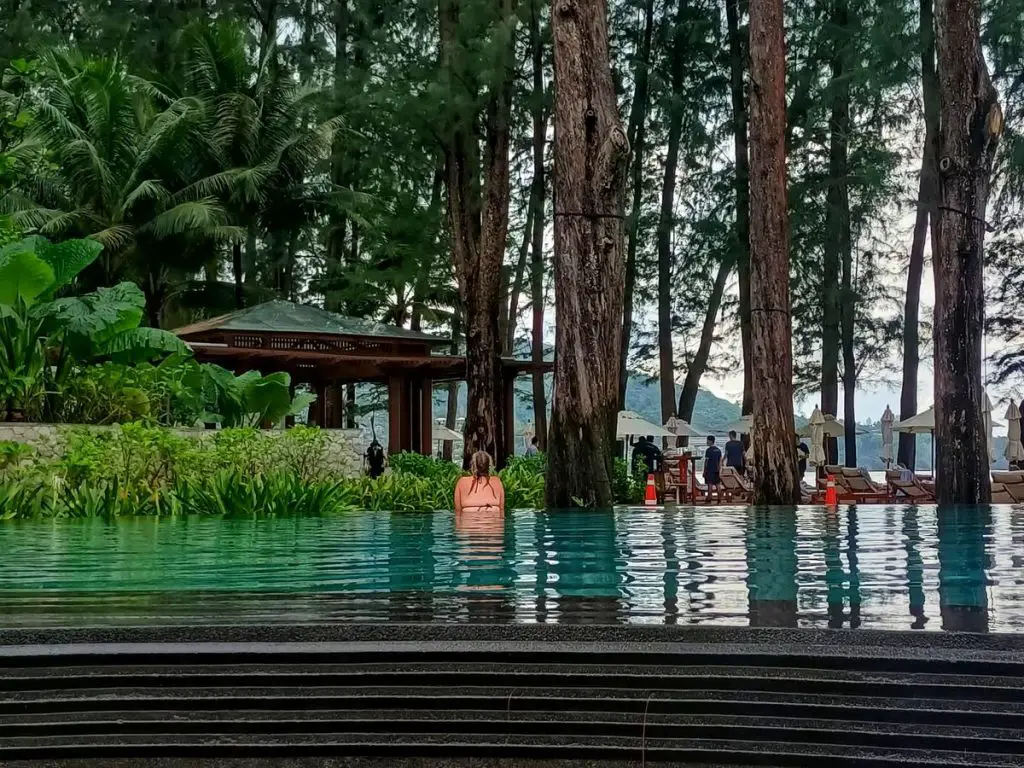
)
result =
(670, 576)
(772, 567)
(584, 563)
(411, 567)
(484, 545)
(963, 596)
(915, 566)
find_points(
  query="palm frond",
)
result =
(191, 217)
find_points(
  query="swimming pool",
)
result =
(872, 567)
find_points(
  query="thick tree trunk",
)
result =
(591, 162)
(540, 129)
(926, 198)
(774, 439)
(688, 397)
(737, 52)
(971, 126)
(479, 224)
(335, 250)
(636, 134)
(666, 221)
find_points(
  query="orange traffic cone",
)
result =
(651, 494)
(831, 498)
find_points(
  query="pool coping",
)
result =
(634, 637)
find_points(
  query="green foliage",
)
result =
(13, 453)
(628, 488)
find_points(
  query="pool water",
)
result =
(872, 567)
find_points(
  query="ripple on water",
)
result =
(878, 567)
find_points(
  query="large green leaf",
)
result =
(68, 259)
(137, 345)
(24, 277)
(269, 398)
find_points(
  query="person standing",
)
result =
(735, 456)
(713, 469)
(533, 448)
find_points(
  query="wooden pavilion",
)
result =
(326, 351)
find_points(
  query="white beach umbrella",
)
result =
(888, 418)
(817, 433)
(830, 426)
(921, 424)
(633, 424)
(1014, 448)
(742, 426)
(441, 432)
(681, 428)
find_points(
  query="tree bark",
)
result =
(540, 130)
(452, 412)
(774, 439)
(666, 220)
(237, 270)
(335, 250)
(591, 162)
(479, 221)
(688, 397)
(838, 272)
(926, 197)
(737, 50)
(516, 287)
(971, 126)
(636, 135)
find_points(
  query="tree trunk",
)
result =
(971, 126)
(591, 162)
(688, 397)
(737, 51)
(335, 250)
(774, 439)
(636, 135)
(238, 272)
(926, 196)
(479, 224)
(452, 412)
(838, 311)
(540, 129)
(666, 221)
(516, 285)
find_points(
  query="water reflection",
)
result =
(883, 567)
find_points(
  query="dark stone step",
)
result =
(763, 753)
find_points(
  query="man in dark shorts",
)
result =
(734, 455)
(712, 468)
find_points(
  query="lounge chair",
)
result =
(912, 490)
(735, 486)
(860, 483)
(1000, 494)
(1013, 484)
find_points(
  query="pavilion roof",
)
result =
(288, 317)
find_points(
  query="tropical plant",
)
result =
(42, 337)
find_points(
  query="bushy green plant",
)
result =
(13, 453)
(523, 480)
(228, 493)
(628, 487)
(418, 465)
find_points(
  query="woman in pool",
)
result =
(480, 492)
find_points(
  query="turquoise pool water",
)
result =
(873, 567)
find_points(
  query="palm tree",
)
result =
(120, 163)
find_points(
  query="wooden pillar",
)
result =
(396, 384)
(406, 414)
(415, 421)
(426, 426)
(321, 405)
(334, 406)
(508, 404)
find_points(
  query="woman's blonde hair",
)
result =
(480, 469)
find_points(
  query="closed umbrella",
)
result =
(1014, 448)
(986, 414)
(817, 425)
(888, 418)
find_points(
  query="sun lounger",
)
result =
(912, 490)
(1013, 484)
(860, 484)
(1000, 494)
(735, 487)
